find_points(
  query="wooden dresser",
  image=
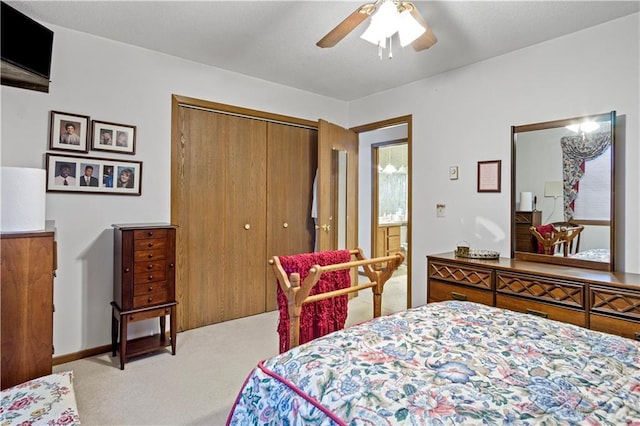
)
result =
(604, 301)
(26, 294)
(525, 220)
(144, 286)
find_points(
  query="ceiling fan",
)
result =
(407, 21)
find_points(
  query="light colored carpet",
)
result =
(199, 384)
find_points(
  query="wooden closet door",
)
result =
(219, 203)
(292, 160)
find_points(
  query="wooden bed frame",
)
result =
(298, 293)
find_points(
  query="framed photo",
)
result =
(70, 173)
(69, 132)
(113, 137)
(489, 176)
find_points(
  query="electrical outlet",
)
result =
(440, 210)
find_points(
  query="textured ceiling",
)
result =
(275, 40)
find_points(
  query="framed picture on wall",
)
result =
(70, 173)
(113, 137)
(69, 132)
(489, 176)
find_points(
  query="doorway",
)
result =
(386, 229)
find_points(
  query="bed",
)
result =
(46, 400)
(448, 363)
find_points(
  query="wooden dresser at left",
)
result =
(26, 301)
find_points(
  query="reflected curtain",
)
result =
(575, 151)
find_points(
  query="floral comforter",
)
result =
(448, 363)
(47, 400)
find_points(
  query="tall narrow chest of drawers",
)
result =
(144, 286)
(525, 220)
(26, 304)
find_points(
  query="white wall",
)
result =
(114, 82)
(465, 116)
(459, 118)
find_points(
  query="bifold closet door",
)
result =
(219, 204)
(292, 154)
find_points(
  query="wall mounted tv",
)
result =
(26, 51)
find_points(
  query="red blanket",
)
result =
(321, 317)
(544, 230)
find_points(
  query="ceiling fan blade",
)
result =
(345, 27)
(427, 39)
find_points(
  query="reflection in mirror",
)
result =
(562, 199)
(340, 160)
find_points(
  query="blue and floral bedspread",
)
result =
(448, 363)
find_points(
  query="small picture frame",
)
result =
(71, 173)
(453, 172)
(113, 137)
(489, 176)
(69, 132)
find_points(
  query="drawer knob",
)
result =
(150, 244)
(166, 311)
(247, 226)
(285, 225)
(150, 277)
(171, 265)
(150, 299)
(150, 288)
(150, 233)
(150, 266)
(150, 255)
(132, 317)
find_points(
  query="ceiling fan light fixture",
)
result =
(387, 18)
(374, 35)
(409, 29)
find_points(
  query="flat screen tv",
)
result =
(26, 50)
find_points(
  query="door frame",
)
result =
(408, 120)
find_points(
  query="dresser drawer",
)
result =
(143, 234)
(624, 328)
(462, 274)
(544, 310)
(148, 244)
(153, 313)
(146, 255)
(155, 298)
(614, 301)
(439, 292)
(568, 293)
(150, 266)
(149, 277)
(148, 289)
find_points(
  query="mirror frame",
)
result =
(535, 257)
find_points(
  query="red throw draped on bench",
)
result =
(321, 317)
(544, 230)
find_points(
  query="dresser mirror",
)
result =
(562, 188)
